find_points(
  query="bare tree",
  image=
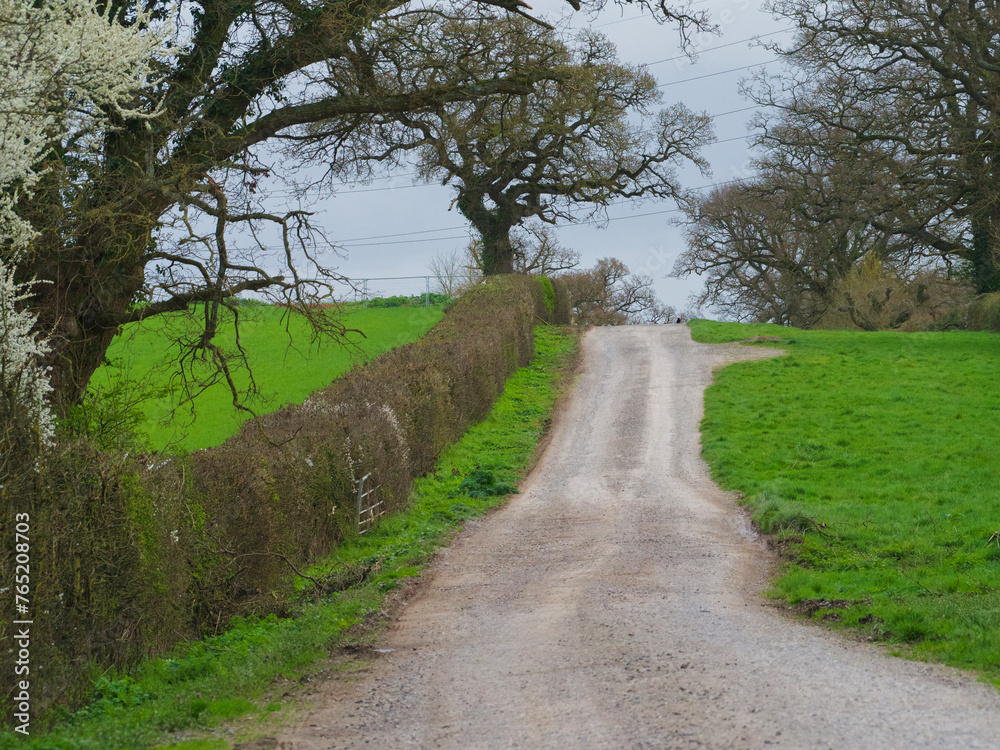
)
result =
(537, 251)
(774, 246)
(455, 272)
(609, 294)
(918, 82)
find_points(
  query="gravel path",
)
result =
(614, 604)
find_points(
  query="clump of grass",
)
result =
(202, 684)
(482, 483)
(872, 458)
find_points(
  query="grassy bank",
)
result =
(872, 458)
(203, 684)
(281, 358)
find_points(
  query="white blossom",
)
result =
(403, 454)
(22, 377)
(62, 65)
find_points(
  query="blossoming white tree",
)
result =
(65, 69)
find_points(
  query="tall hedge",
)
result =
(132, 554)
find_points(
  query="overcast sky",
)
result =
(393, 227)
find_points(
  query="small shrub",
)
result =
(773, 517)
(875, 297)
(562, 310)
(482, 483)
(953, 320)
(984, 313)
(548, 294)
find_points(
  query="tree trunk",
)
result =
(983, 256)
(90, 277)
(78, 309)
(494, 229)
(498, 254)
(90, 258)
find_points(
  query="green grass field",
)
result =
(286, 367)
(874, 459)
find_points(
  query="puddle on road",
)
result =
(746, 527)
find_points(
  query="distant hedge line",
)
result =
(411, 300)
(132, 554)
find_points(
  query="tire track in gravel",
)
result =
(614, 604)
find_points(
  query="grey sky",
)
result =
(360, 218)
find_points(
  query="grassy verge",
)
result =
(280, 356)
(872, 458)
(203, 684)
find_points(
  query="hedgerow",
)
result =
(134, 553)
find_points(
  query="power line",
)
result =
(620, 20)
(729, 140)
(734, 111)
(638, 216)
(404, 234)
(394, 187)
(583, 223)
(719, 73)
(405, 242)
(721, 46)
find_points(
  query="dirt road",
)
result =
(614, 604)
